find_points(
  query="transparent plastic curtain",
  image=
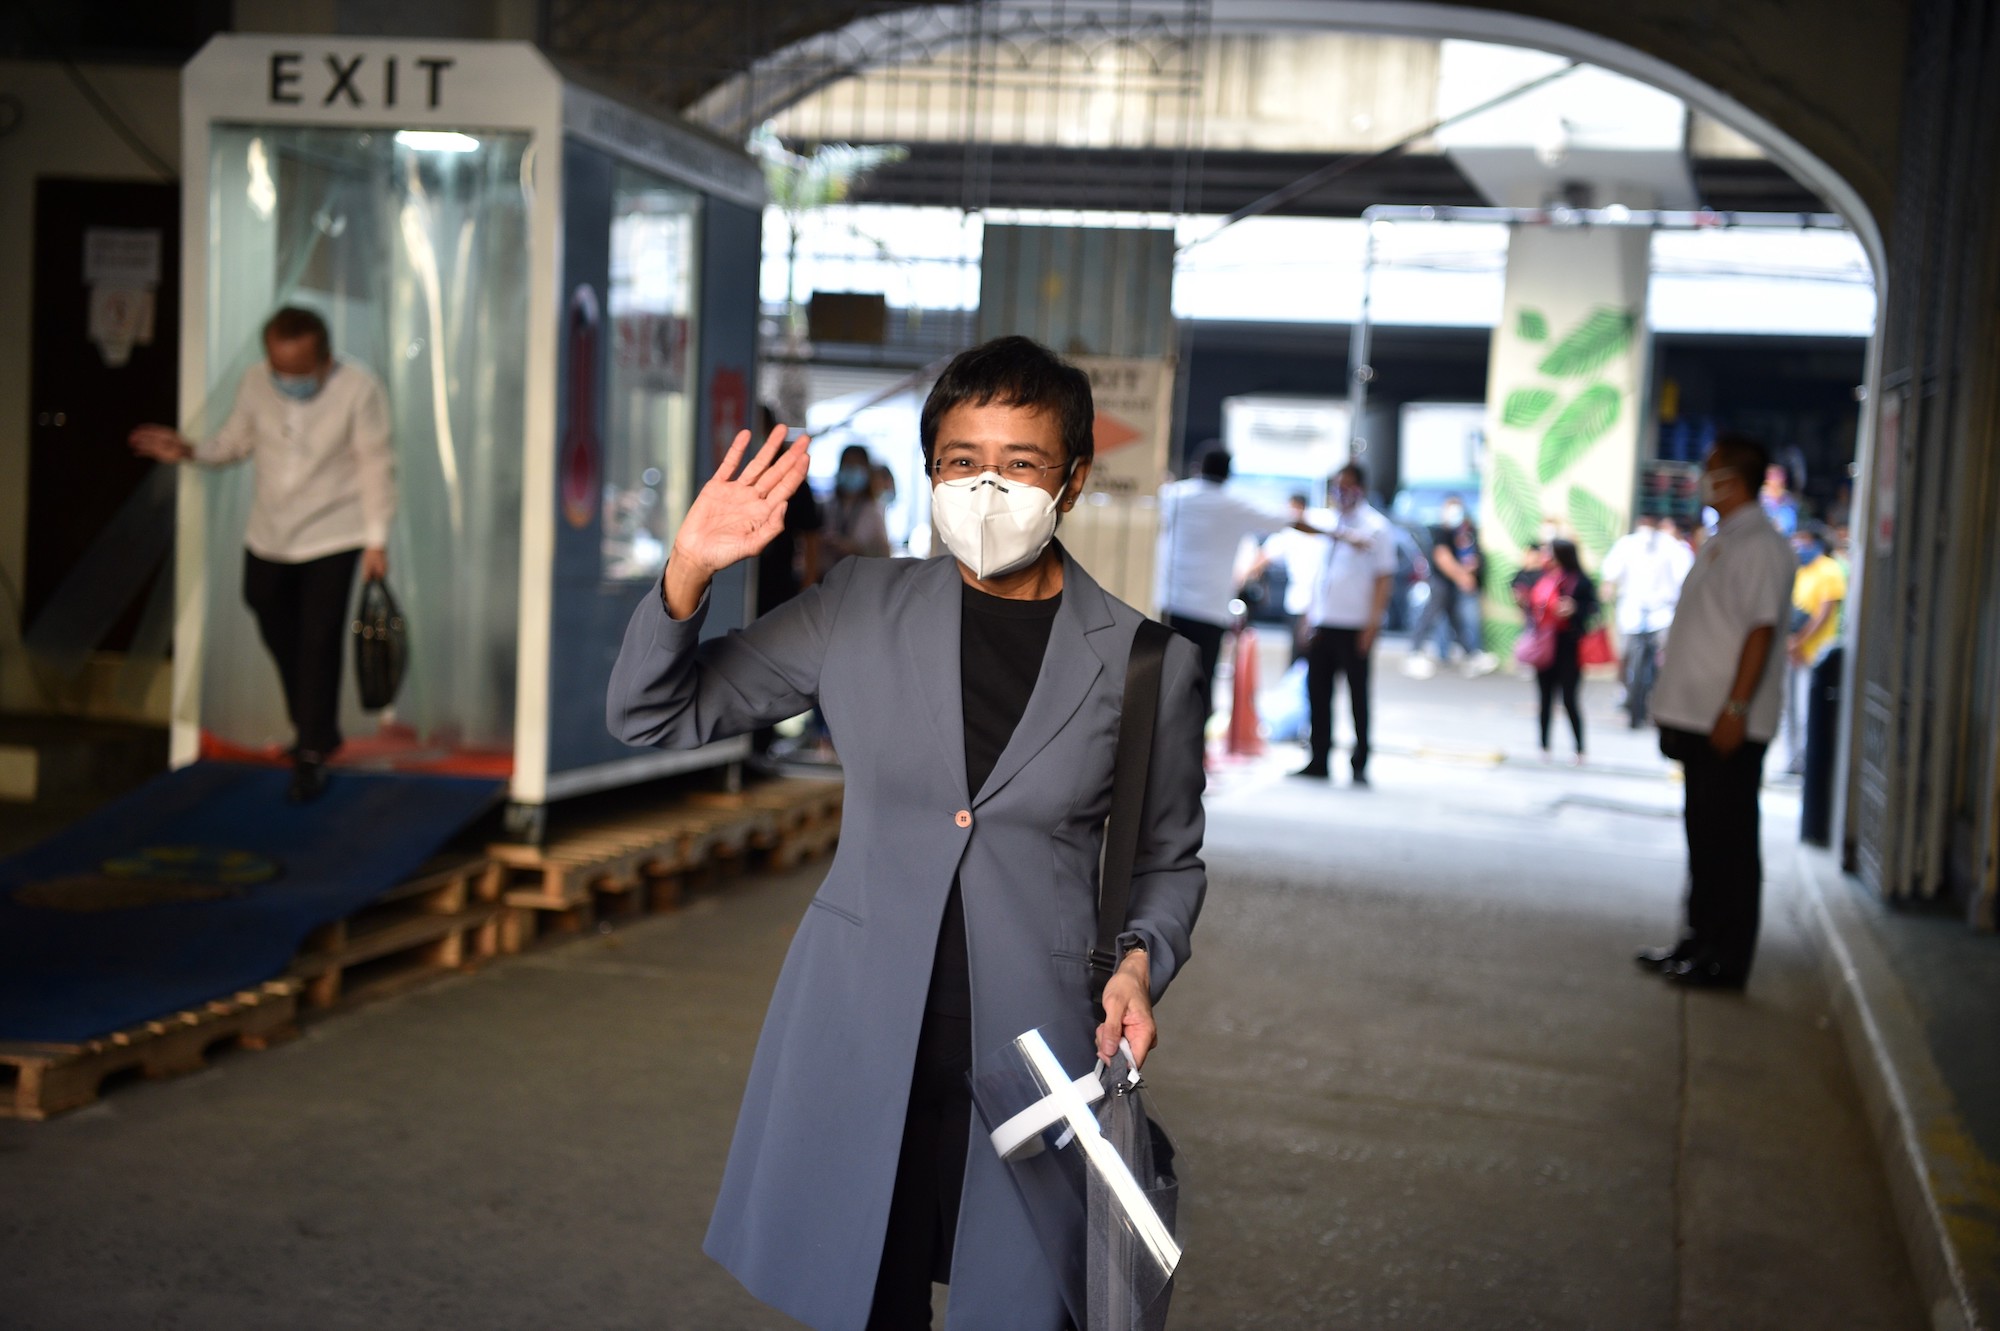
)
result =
(414, 248)
(1096, 1172)
(649, 435)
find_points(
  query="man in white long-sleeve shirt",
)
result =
(1647, 565)
(316, 431)
(1201, 527)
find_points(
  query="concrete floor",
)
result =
(1415, 1076)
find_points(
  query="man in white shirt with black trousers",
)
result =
(1201, 527)
(1648, 566)
(1345, 617)
(1717, 702)
(316, 430)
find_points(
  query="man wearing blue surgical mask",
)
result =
(316, 431)
(1818, 590)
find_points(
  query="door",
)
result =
(105, 356)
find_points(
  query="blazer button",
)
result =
(963, 818)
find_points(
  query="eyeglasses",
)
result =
(1016, 469)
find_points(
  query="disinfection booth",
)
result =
(558, 292)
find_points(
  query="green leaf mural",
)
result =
(1499, 580)
(1532, 325)
(1500, 637)
(1517, 501)
(1595, 522)
(1590, 346)
(1587, 419)
(1525, 406)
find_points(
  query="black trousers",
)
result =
(930, 1178)
(1207, 640)
(301, 612)
(1564, 678)
(1725, 862)
(1332, 653)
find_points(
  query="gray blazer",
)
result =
(805, 1196)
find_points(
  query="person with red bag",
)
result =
(1559, 605)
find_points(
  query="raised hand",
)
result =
(162, 443)
(734, 516)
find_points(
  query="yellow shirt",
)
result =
(1816, 584)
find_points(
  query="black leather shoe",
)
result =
(1700, 973)
(308, 781)
(1360, 781)
(1317, 771)
(1662, 959)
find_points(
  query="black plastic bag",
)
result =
(381, 646)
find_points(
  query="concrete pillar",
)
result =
(1564, 396)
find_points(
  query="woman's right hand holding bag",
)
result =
(733, 517)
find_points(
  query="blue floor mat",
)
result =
(202, 882)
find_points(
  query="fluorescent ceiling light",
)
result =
(437, 141)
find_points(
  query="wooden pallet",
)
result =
(628, 864)
(637, 861)
(38, 1080)
(805, 817)
(445, 917)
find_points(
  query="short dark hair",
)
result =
(1015, 372)
(1215, 463)
(1355, 470)
(1743, 455)
(1298, 497)
(292, 322)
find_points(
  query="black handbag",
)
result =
(1128, 798)
(381, 646)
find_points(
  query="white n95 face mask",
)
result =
(993, 526)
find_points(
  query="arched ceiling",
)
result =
(1821, 76)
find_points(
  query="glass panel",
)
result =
(648, 450)
(414, 248)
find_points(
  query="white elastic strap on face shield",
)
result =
(1021, 1135)
(1071, 1101)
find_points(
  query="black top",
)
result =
(1463, 542)
(1584, 592)
(777, 579)
(1000, 648)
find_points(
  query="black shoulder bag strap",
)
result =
(1128, 796)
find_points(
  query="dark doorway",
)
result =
(101, 363)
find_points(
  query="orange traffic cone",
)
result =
(1245, 740)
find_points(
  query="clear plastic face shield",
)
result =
(1097, 1174)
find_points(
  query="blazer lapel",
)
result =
(928, 633)
(1070, 667)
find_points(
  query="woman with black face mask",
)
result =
(1562, 602)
